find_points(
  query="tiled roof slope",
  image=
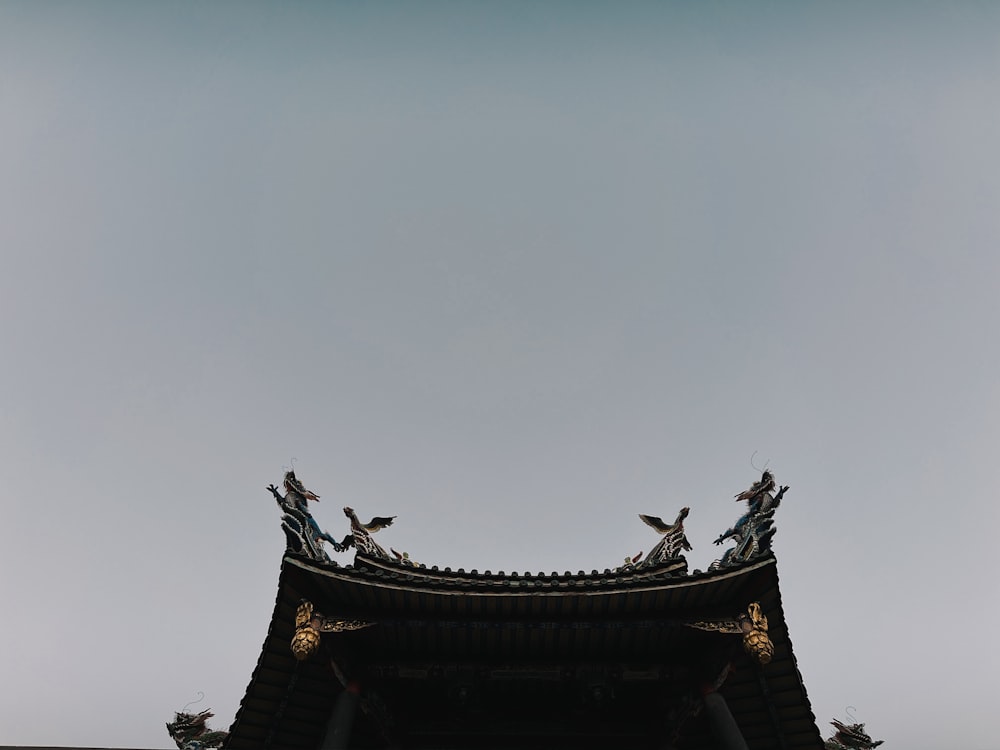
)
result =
(463, 659)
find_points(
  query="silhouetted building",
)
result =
(388, 654)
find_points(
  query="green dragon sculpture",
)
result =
(190, 732)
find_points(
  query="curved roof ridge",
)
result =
(412, 579)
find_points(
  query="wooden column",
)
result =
(338, 729)
(720, 718)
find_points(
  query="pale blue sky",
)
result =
(514, 272)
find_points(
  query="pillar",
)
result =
(338, 729)
(727, 734)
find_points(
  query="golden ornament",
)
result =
(305, 642)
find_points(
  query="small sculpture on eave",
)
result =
(302, 533)
(190, 732)
(755, 528)
(673, 541)
(361, 534)
(403, 558)
(850, 737)
(631, 563)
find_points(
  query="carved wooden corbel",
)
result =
(309, 624)
(752, 625)
(756, 641)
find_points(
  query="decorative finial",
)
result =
(361, 534)
(190, 731)
(755, 528)
(403, 558)
(850, 736)
(303, 535)
(673, 541)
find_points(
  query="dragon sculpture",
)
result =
(190, 732)
(302, 533)
(673, 541)
(850, 737)
(755, 528)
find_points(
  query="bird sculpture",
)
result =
(673, 541)
(360, 536)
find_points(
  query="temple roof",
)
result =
(457, 659)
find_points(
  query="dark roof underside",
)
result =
(468, 660)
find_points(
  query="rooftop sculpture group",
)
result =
(751, 536)
(752, 532)
(304, 535)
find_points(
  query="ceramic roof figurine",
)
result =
(850, 737)
(673, 541)
(755, 528)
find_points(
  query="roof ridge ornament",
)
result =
(631, 563)
(669, 547)
(190, 731)
(754, 530)
(303, 535)
(403, 558)
(850, 737)
(361, 535)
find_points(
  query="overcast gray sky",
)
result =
(513, 272)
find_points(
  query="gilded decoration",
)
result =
(752, 625)
(309, 624)
(303, 614)
(337, 625)
(756, 640)
(305, 642)
(729, 627)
